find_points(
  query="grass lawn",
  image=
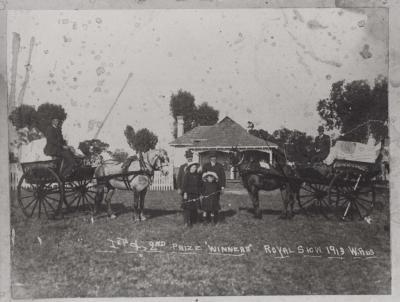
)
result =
(74, 258)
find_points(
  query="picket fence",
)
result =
(160, 182)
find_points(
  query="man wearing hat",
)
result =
(182, 171)
(218, 169)
(56, 146)
(322, 146)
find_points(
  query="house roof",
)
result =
(226, 133)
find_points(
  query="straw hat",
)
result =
(193, 163)
(210, 173)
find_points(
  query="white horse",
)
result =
(135, 176)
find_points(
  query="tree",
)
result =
(356, 110)
(205, 115)
(141, 141)
(93, 147)
(380, 110)
(130, 136)
(23, 116)
(46, 112)
(27, 116)
(263, 134)
(183, 104)
(295, 144)
(120, 155)
(145, 140)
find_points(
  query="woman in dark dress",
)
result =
(191, 189)
(210, 201)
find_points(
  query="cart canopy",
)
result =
(353, 151)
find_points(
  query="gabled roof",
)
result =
(226, 133)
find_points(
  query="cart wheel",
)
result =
(36, 199)
(80, 194)
(353, 197)
(313, 199)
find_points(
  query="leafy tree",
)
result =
(93, 147)
(31, 123)
(263, 134)
(46, 112)
(295, 144)
(120, 155)
(23, 116)
(141, 141)
(356, 110)
(130, 136)
(183, 104)
(206, 115)
(380, 110)
(145, 140)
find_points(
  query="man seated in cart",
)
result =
(56, 146)
(322, 146)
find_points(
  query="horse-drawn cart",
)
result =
(41, 189)
(343, 186)
(346, 189)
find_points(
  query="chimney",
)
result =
(179, 125)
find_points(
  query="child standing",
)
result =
(191, 189)
(210, 202)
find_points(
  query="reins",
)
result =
(201, 197)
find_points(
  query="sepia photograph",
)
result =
(198, 152)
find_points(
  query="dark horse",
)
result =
(256, 178)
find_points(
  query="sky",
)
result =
(269, 66)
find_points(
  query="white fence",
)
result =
(160, 182)
(163, 183)
(15, 175)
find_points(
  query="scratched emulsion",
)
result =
(244, 69)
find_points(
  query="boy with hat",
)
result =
(210, 201)
(191, 188)
(218, 169)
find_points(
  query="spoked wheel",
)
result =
(39, 199)
(80, 194)
(313, 199)
(352, 197)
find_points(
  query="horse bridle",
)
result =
(158, 158)
(240, 161)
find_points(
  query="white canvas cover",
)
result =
(353, 151)
(34, 151)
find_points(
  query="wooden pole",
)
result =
(27, 73)
(21, 94)
(14, 66)
(112, 106)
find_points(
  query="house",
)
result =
(220, 137)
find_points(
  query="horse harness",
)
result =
(127, 177)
